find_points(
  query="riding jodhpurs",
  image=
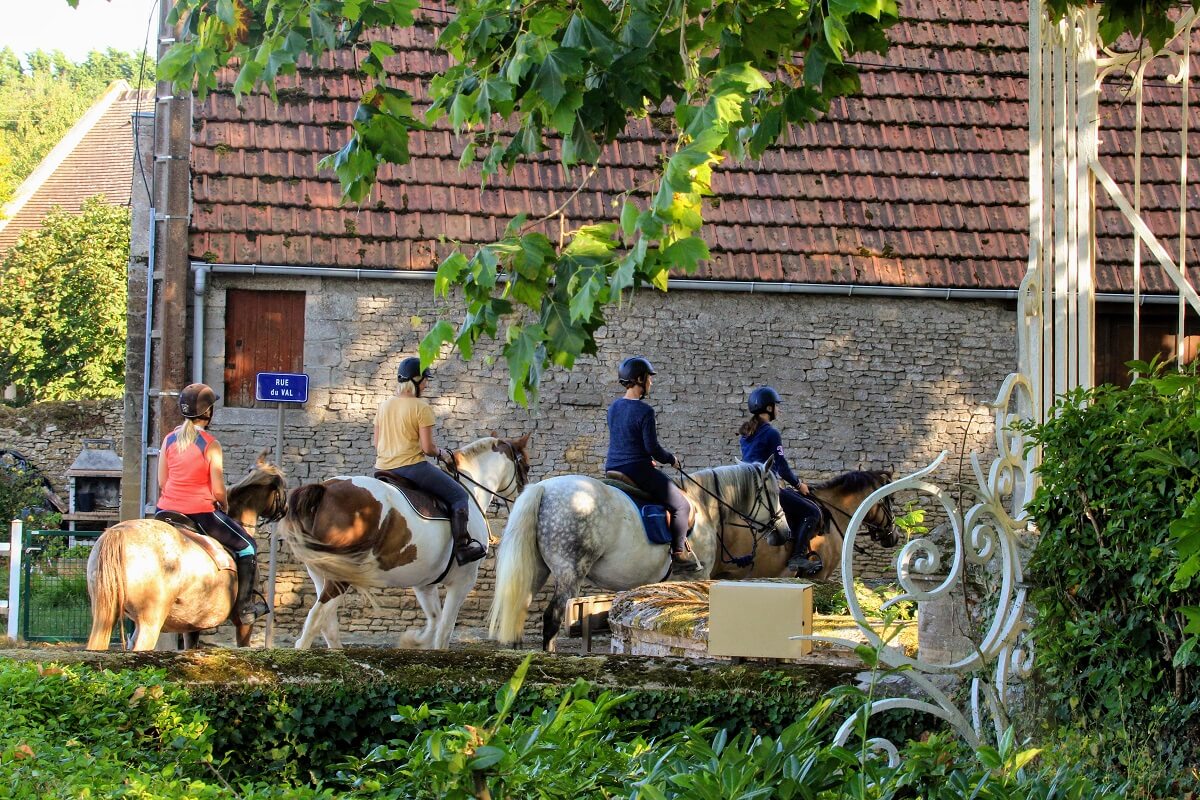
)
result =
(227, 531)
(663, 491)
(436, 482)
(803, 517)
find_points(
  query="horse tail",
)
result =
(517, 560)
(302, 505)
(297, 530)
(107, 587)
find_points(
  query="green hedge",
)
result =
(146, 731)
(300, 712)
(1120, 467)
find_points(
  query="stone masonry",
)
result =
(51, 434)
(866, 382)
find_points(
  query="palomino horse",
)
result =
(750, 556)
(365, 533)
(163, 580)
(577, 528)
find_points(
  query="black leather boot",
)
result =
(243, 609)
(466, 549)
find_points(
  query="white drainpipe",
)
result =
(201, 286)
(202, 269)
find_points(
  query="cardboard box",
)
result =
(751, 619)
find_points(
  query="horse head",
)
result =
(500, 465)
(263, 490)
(850, 489)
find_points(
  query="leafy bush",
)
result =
(870, 596)
(581, 749)
(1120, 468)
(79, 732)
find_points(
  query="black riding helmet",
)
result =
(410, 370)
(197, 400)
(763, 398)
(633, 370)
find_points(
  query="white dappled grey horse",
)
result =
(575, 528)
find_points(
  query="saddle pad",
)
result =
(427, 505)
(654, 520)
(216, 552)
(641, 498)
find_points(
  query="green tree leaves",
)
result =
(62, 296)
(566, 75)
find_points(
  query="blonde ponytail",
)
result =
(186, 434)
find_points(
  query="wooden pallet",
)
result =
(588, 615)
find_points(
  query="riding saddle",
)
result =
(187, 526)
(428, 505)
(651, 511)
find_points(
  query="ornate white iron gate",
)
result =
(1056, 343)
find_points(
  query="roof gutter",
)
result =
(203, 269)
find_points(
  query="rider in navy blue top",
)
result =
(633, 448)
(633, 435)
(761, 441)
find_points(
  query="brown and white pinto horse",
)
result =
(839, 497)
(362, 532)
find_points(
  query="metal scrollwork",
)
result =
(989, 536)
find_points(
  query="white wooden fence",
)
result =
(12, 606)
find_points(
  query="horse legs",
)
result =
(319, 615)
(458, 585)
(552, 618)
(431, 604)
(149, 626)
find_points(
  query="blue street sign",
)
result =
(281, 387)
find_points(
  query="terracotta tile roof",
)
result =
(95, 157)
(919, 181)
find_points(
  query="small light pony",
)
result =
(163, 580)
(749, 556)
(362, 532)
(575, 528)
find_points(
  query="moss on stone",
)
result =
(430, 668)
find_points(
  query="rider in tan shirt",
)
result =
(404, 437)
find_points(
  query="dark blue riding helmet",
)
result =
(410, 370)
(633, 369)
(762, 398)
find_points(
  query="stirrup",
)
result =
(251, 613)
(685, 561)
(469, 551)
(805, 566)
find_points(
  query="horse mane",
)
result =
(856, 480)
(478, 446)
(263, 473)
(743, 476)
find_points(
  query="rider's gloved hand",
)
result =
(678, 463)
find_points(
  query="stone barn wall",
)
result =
(866, 382)
(51, 434)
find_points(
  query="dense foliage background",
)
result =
(62, 298)
(43, 95)
(1114, 574)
